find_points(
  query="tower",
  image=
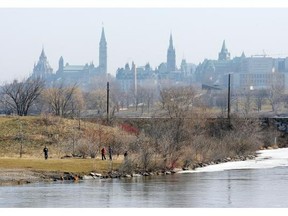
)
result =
(103, 53)
(171, 57)
(135, 83)
(224, 54)
(60, 65)
(42, 69)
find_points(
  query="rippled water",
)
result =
(233, 188)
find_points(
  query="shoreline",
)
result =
(11, 177)
(20, 176)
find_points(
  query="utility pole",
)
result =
(107, 102)
(229, 80)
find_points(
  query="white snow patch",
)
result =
(265, 159)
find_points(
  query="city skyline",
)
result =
(140, 35)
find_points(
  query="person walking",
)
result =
(110, 152)
(45, 150)
(125, 155)
(103, 151)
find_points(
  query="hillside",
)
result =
(62, 137)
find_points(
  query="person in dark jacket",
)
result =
(125, 155)
(103, 152)
(45, 150)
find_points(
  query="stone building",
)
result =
(82, 75)
(42, 69)
(165, 75)
(255, 72)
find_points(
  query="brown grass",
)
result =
(80, 166)
(38, 131)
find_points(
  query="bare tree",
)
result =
(248, 101)
(222, 102)
(19, 96)
(177, 101)
(275, 92)
(60, 99)
(260, 96)
(96, 100)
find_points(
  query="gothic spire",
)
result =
(224, 54)
(223, 47)
(43, 56)
(103, 39)
(103, 53)
(171, 57)
(170, 42)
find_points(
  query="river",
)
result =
(232, 188)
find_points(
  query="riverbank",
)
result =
(15, 171)
(25, 171)
(13, 175)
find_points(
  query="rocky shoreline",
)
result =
(24, 176)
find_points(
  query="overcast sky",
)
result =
(135, 34)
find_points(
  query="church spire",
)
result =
(103, 38)
(42, 55)
(223, 47)
(224, 54)
(171, 57)
(171, 41)
(103, 53)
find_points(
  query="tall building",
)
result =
(42, 69)
(256, 72)
(103, 53)
(130, 79)
(171, 57)
(164, 76)
(224, 55)
(83, 75)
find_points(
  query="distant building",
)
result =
(165, 75)
(224, 55)
(42, 69)
(256, 72)
(84, 75)
(130, 79)
(171, 56)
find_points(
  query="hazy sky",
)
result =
(135, 34)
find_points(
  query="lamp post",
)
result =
(107, 102)
(229, 96)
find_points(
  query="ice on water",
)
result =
(265, 159)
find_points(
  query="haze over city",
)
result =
(135, 34)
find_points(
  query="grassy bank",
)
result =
(62, 136)
(78, 166)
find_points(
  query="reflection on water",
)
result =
(234, 188)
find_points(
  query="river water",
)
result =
(231, 188)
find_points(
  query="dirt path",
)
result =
(19, 176)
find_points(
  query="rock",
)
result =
(167, 173)
(178, 169)
(113, 175)
(136, 175)
(86, 177)
(98, 174)
(95, 174)
(127, 176)
(145, 174)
